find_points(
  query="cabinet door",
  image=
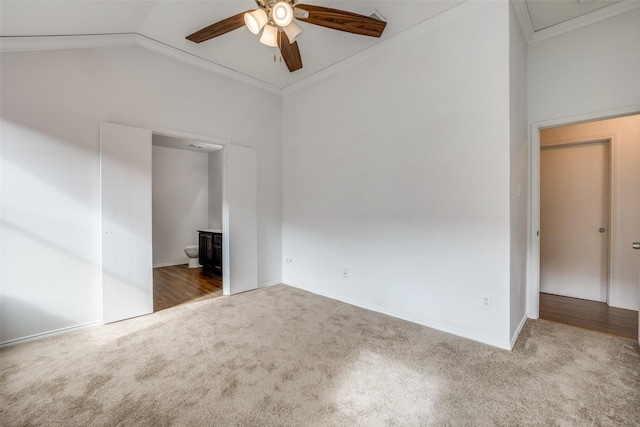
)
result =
(217, 253)
(206, 253)
(202, 248)
(217, 259)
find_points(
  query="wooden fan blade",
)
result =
(290, 52)
(219, 28)
(342, 20)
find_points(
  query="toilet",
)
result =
(192, 252)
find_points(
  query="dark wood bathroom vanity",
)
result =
(210, 245)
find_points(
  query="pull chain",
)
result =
(275, 52)
(275, 49)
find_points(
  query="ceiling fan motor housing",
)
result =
(266, 4)
(280, 12)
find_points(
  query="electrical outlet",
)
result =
(345, 273)
(486, 302)
(289, 260)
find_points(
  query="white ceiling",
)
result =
(169, 22)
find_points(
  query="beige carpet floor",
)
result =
(284, 357)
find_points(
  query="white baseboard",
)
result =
(434, 325)
(42, 335)
(272, 283)
(633, 307)
(49, 334)
(517, 333)
(169, 264)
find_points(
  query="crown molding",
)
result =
(197, 61)
(467, 6)
(31, 43)
(584, 20)
(442, 18)
(522, 12)
(35, 43)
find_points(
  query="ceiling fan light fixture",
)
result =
(292, 31)
(275, 18)
(282, 14)
(269, 36)
(255, 20)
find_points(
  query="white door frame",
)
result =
(533, 216)
(227, 277)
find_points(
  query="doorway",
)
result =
(125, 160)
(592, 267)
(187, 179)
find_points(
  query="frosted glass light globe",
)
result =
(269, 36)
(282, 14)
(255, 20)
(292, 31)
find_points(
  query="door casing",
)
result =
(533, 186)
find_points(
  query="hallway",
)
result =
(596, 316)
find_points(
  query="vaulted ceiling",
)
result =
(167, 23)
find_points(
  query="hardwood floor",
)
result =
(178, 284)
(596, 316)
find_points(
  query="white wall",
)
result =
(180, 192)
(591, 69)
(519, 175)
(51, 106)
(216, 180)
(398, 168)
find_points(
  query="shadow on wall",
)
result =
(16, 316)
(49, 222)
(32, 295)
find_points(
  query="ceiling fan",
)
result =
(275, 19)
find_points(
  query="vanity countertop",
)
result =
(210, 230)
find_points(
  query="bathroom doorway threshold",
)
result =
(178, 285)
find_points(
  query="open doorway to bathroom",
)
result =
(187, 178)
